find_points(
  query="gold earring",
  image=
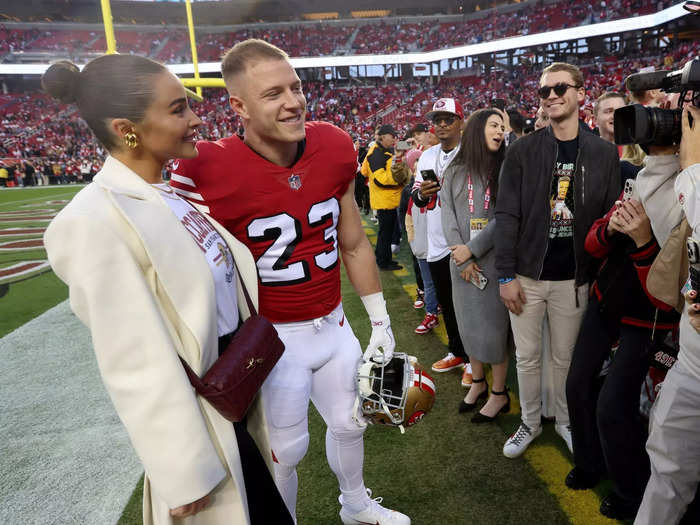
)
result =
(131, 140)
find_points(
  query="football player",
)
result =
(287, 191)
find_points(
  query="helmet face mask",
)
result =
(397, 393)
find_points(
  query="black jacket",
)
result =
(523, 210)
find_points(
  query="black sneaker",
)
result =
(579, 479)
(617, 508)
(393, 265)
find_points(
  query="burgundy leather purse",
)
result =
(232, 382)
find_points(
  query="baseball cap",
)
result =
(446, 105)
(387, 129)
(418, 128)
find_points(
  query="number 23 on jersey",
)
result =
(285, 232)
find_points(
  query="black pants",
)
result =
(607, 430)
(416, 270)
(398, 231)
(440, 272)
(361, 193)
(265, 504)
(387, 223)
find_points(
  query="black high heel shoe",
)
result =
(483, 418)
(468, 407)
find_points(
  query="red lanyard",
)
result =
(470, 196)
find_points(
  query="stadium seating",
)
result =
(33, 126)
(387, 36)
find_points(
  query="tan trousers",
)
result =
(674, 449)
(556, 299)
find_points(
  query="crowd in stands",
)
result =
(538, 19)
(324, 39)
(33, 126)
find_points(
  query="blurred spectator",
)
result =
(447, 116)
(387, 175)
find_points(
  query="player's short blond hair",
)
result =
(574, 71)
(239, 57)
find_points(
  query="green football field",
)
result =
(442, 471)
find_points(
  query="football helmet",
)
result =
(398, 393)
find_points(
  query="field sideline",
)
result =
(444, 471)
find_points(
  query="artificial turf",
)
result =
(444, 470)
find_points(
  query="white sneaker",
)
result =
(520, 440)
(565, 432)
(374, 514)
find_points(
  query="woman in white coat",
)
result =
(154, 278)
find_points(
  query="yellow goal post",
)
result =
(197, 82)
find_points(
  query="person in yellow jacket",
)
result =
(387, 174)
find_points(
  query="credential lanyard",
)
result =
(470, 196)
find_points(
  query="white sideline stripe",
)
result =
(64, 455)
(44, 264)
(28, 236)
(183, 180)
(190, 194)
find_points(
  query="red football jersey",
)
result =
(287, 217)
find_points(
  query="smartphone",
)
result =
(429, 175)
(629, 188)
(479, 280)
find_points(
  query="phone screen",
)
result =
(429, 175)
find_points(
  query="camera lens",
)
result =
(637, 124)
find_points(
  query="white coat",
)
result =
(142, 286)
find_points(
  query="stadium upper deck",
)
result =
(43, 42)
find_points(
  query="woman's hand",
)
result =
(191, 508)
(614, 224)
(635, 222)
(460, 253)
(470, 271)
(693, 310)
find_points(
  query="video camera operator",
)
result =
(673, 444)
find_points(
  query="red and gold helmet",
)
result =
(398, 393)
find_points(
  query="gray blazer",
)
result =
(482, 318)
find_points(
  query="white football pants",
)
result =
(320, 363)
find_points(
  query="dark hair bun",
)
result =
(61, 81)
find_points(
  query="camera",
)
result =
(637, 124)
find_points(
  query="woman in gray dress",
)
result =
(468, 201)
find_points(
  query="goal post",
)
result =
(195, 82)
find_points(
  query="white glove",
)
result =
(382, 337)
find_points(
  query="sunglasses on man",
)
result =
(559, 89)
(447, 119)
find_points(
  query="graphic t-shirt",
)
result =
(560, 261)
(217, 254)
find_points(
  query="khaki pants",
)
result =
(674, 449)
(557, 300)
